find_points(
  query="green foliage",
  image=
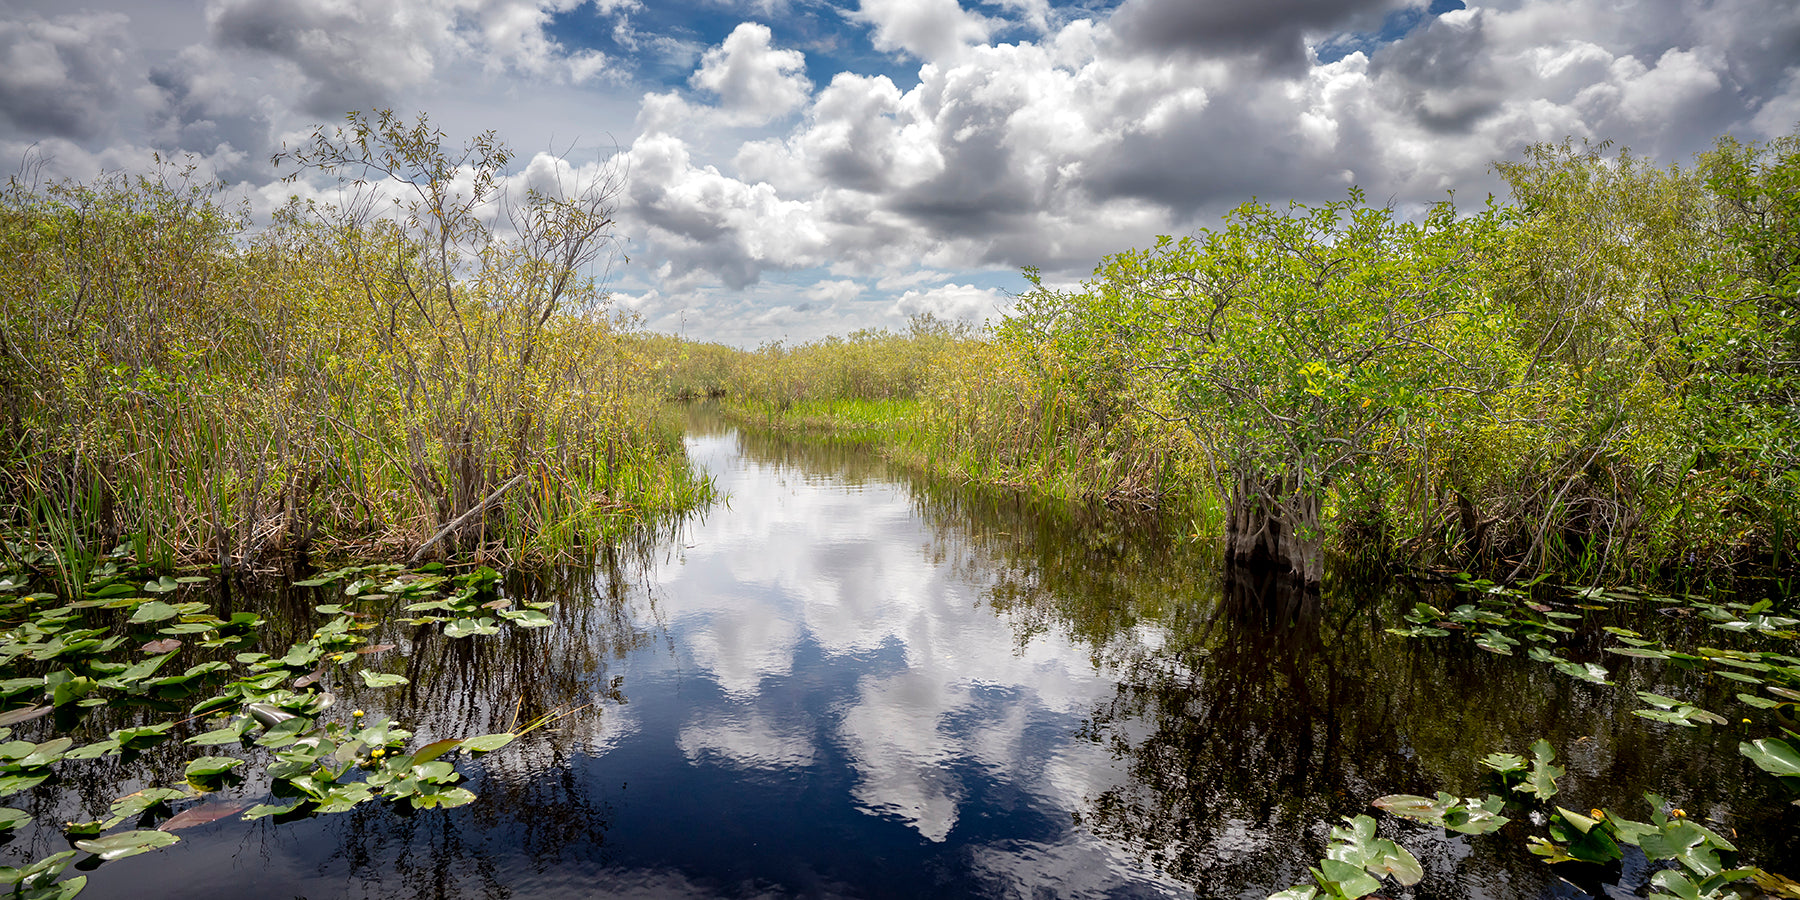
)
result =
(357, 376)
(1597, 377)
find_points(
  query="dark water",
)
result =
(847, 684)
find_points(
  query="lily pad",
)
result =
(211, 766)
(488, 743)
(382, 679)
(266, 809)
(127, 843)
(1772, 755)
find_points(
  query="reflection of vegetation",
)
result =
(1248, 712)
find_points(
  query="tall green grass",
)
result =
(216, 396)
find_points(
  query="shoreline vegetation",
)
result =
(1598, 377)
(423, 367)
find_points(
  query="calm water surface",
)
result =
(845, 684)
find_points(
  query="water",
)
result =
(846, 683)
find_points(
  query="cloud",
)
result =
(963, 302)
(834, 291)
(64, 76)
(1273, 30)
(1110, 130)
(358, 54)
(702, 219)
(754, 81)
(927, 29)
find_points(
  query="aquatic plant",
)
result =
(263, 712)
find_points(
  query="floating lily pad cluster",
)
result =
(1502, 618)
(114, 644)
(1703, 862)
(1355, 863)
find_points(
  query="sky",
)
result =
(788, 169)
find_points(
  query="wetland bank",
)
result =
(1204, 577)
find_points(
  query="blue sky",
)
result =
(794, 168)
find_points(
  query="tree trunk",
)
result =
(1272, 527)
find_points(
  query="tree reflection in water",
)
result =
(1251, 713)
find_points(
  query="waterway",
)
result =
(845, 682)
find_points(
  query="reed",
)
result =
(330, 384)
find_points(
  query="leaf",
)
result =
(527, 618)
(466, 627)
(165, 645)
(284, 732)
(1676, 884)
(211, 766)
(138, 803)
(436, 749)
(1350, 879)
(230, 734)
(487, 743)
(263, 809)
(1504, 763)
(12, 784)
(46, 753)
(11, 819)
(449, 798)
(1296, 893)
(142, 737)
(154, 611)
(1772, 755)
(382, 679)
(94, 750)
(161, 585)
(1684, 716)
(127, 843)
(1541, 783)
(1592, 673)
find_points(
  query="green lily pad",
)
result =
(12, 784)
(153, 611)
(94, 750)
(211, 766)
(382, 679)
(266, 809)
(127, 843)
(141, 737)
(488, 743)
(1772, 755)
(11, 819)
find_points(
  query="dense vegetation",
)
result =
(1599, 375)
(425, 359)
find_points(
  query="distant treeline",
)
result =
(361, 377)
(1600, 374)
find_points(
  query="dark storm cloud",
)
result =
(64, 76)
(200, 110)
(1271, 30)
(352, 55)
(1443, 76)
(1244, 144)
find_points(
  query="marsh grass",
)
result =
(324, 385)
